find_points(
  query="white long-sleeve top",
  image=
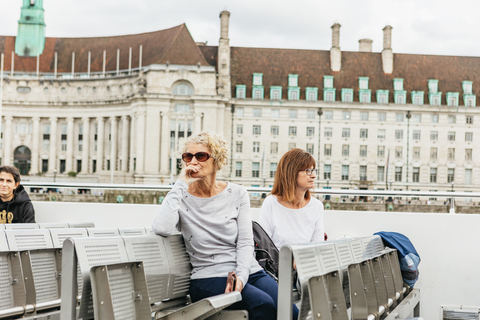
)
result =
(287, 226)
(217, 230)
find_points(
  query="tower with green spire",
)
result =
(30, 40)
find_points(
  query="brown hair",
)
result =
(13, 171)
(290, 164)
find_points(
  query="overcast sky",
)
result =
(419, 26)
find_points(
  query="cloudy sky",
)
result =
(419, 26)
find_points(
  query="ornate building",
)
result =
(120, 107)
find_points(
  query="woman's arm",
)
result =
(245, 239)
(167, 217)
(319, 233)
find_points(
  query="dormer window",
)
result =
(432, 86)
(364, 96)
(293, 80)
(398, 84)
(469, 100)
(452, 99)
(347, 95)
(328, 81)
(257, 93)
(435, 98)
(363, 83)
(275, 93)
(241, 91)
(311, 94)
(417, 97)
(467, 87)
(382, 96)
(329, 95)
(293, 94)
(258, 79)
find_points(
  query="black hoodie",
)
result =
(17, 210)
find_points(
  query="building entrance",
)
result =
(22, 159)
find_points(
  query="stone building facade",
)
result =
(118, 108)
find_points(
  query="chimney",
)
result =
(224, 83)
(387, 52)
(365, 45)
(335, 53)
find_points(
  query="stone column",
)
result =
(52, 160)
(113, 149)
(140, 130)
(164, 144)
(35, 141)
(198, 123)
(7, 141)
(69, 157)
(86, 145)
(132, 143)
(124, 144)
(100, 140)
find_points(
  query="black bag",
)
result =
(266, 252)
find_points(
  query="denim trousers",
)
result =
(259, 295)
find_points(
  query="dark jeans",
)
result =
(259, 295)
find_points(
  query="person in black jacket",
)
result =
(15, 204)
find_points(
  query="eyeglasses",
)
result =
(309, 171)
(200, 156)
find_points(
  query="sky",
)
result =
(438, 27)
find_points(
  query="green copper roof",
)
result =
(30, 40)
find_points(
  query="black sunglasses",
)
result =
(200, 156)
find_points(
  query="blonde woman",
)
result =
(290, 215)
(214, 218)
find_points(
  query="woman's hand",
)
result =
(186, 174)
(238, 287)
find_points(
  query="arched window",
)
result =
(22, 159)
(182, 89)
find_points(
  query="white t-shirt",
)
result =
(287, 226)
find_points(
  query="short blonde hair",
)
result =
(216, 143)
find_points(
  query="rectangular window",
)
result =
(62, 166)
(468, 154)
(469, 119)
(293, 94)
(311, 114)
(398, 152)
(381, 151)
(345, 150)
(346, 115)
(274, 147)
(364, 96)
(274, 130)
(451, 175)
(363, 133)
(452, 119)
(345, 132)
(416, 174)
(327, 150)
(433, 135)
(364, 116)
(239, 128)
(345, 172)
(292, 145)
(239, 112)
(292, 114)
(255, 169)
(310, 148)
(433, 175)
(329, 96)
(381, 133)
(257, 93)
(416, 153)
(239, 148)
(256, 147)
(363, 151)
(258, 79)
(469, 136)
(44, 165)
(275, 93)
(433, 153)
(363, 173)
(417, 134)
(451, 154)
(257, 112)
(451, 136)
(241, 89)
(238, 169)
(468, 176)
(310, 131)
(80, 142)
(380, 173)
(328, 115)
(311, 94)
(257, 129)
(399, 117)
(327, 171)
(347, 95)
(275, 113)
(434, 118)
(328, 132)
(398, 174)
(94, 165)
(398, 134)
(79, 166)
(292, 131)
(416, 118)
(382, 116)
(273, 169)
